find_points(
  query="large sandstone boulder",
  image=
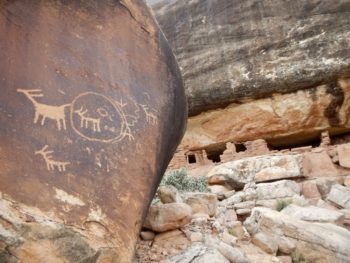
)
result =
(89, 91)
(202, 203)
(317, 242)
(165, 217)
(257, 69)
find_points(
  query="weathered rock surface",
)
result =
(314, 214)
(261, 69)
(169, 194)
(234, 255)
(283, 119)
(340, 195)
(317, 242)
(265, 242)
(344, 155)
(310, 191)
(318, 164)
(262, 168)
(202, 203)
(199, 254)
(84, 117)
(277, 190)
(164, 217)
(324, 185)
(231, 51)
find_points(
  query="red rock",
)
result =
(344, 155)
(318, 164)
(309, 190)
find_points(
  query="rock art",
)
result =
(89, 91)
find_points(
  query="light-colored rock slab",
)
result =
(232, 200)
(340, 195)
(324, 185)
(265, 242)
(314, 214)
(317, 242)
(262, 168)
(229, 239)
(277, 190)
(243, 205)
(280, 167)
(233, 254)
(199, 254)
(203, 203)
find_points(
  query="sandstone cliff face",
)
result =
(235, 50)
(282, 119)
(264, 69)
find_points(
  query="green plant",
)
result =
(281, 204)
(184, 183)
(297, 257)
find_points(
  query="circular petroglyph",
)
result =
(97, 118)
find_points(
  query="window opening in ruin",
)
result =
(285, 146)
(192, 158)
(240, 147)
(214, 154)
(340, 139)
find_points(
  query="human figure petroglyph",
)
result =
(86, 122)
(50, 163)
(44, 111)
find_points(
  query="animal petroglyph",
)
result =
(151, 118)
(86, 121)
(44, 111)
(50, 163)
(95, 117)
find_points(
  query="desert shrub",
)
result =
(297, 257)
(232, 232)
(281, 204)
(184, 183)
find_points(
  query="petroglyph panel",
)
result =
(84, 111)
(97, 118)
(51, 164)
(45, 111)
